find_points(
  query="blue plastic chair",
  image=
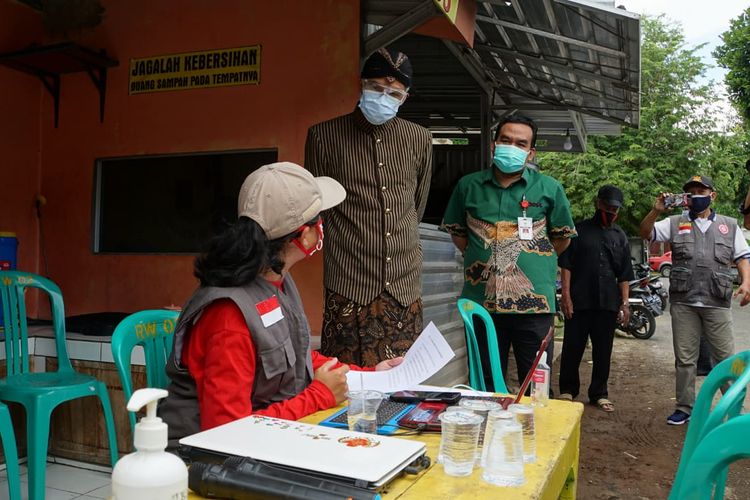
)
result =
(41, 393)
(707, 467)
(703, 420)
(468, 310)
(152, 329)
(11, 454)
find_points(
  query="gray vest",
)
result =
(283, 364)
(701, 262)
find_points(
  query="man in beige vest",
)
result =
(704, 246)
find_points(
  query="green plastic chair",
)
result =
(41, 393)
(703, 420)
(468, 309)
(708, 465)
(11, 454)
(152, 329)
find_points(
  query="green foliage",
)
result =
(734, 55)
(680, 135)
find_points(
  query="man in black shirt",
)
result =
(595, 271)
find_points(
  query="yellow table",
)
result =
(553, 475)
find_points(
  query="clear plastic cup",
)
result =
(492, 417)
(481, 407)
(460, 432)
(362, 414)
(505, 457)
(525, 416)
(450, 409)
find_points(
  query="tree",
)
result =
(734, 55)
(680, 135)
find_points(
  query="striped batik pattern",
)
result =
(372, 239)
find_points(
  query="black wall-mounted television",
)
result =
(168, 203)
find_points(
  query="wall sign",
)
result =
(195, 70)
(449, 8)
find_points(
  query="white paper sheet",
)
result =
(429, 353)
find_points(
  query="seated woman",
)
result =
(242, 342)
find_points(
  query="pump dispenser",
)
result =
(150, 473)
(540, 381)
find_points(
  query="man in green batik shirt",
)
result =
(511, 222)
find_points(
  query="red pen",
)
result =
(542, 348)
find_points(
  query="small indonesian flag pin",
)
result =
(269, 311)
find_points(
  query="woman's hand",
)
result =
(334, 379)
(388, 364)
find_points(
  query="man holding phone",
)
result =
(704, 245)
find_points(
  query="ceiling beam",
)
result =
(583, 89)
(552, 36)
(473, 65)
(562, 67)
(400, 26)
(546, 100)
(580, 128)
(549, 107)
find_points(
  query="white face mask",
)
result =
(378, 107)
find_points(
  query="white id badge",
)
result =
(525, 228)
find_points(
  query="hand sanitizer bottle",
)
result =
(540, 383)
(150, 473)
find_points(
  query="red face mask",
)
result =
(606, 218)
(309, 251)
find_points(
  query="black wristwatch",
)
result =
(744, 210)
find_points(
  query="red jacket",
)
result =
(220, 355)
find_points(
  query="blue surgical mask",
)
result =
(377, 107)
(509, 159)
(698, 204)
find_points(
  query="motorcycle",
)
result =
(645, 306)
(654, 284)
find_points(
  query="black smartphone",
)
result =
(449, 398)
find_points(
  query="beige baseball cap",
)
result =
(282, 197)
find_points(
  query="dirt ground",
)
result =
(632, 453)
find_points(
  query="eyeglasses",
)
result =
(392, 92)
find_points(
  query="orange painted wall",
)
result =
(309, 72)
(20, 177)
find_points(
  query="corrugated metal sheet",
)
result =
(442, 279)
(572, 65)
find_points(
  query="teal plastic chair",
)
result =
(708, 465)
(468, 310)
(152, 329)
(703, 420)
(41, 393)
(11, 454)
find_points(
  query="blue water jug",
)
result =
(8, 256)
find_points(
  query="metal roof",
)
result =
(572, 65)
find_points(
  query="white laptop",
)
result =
(367, 460)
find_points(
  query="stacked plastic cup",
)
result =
(505, 455)
(460, 432)
(525, 416)
(450, 409)
(492, 418)
(482, 408)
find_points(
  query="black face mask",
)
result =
(605, 218)
(699, 204)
